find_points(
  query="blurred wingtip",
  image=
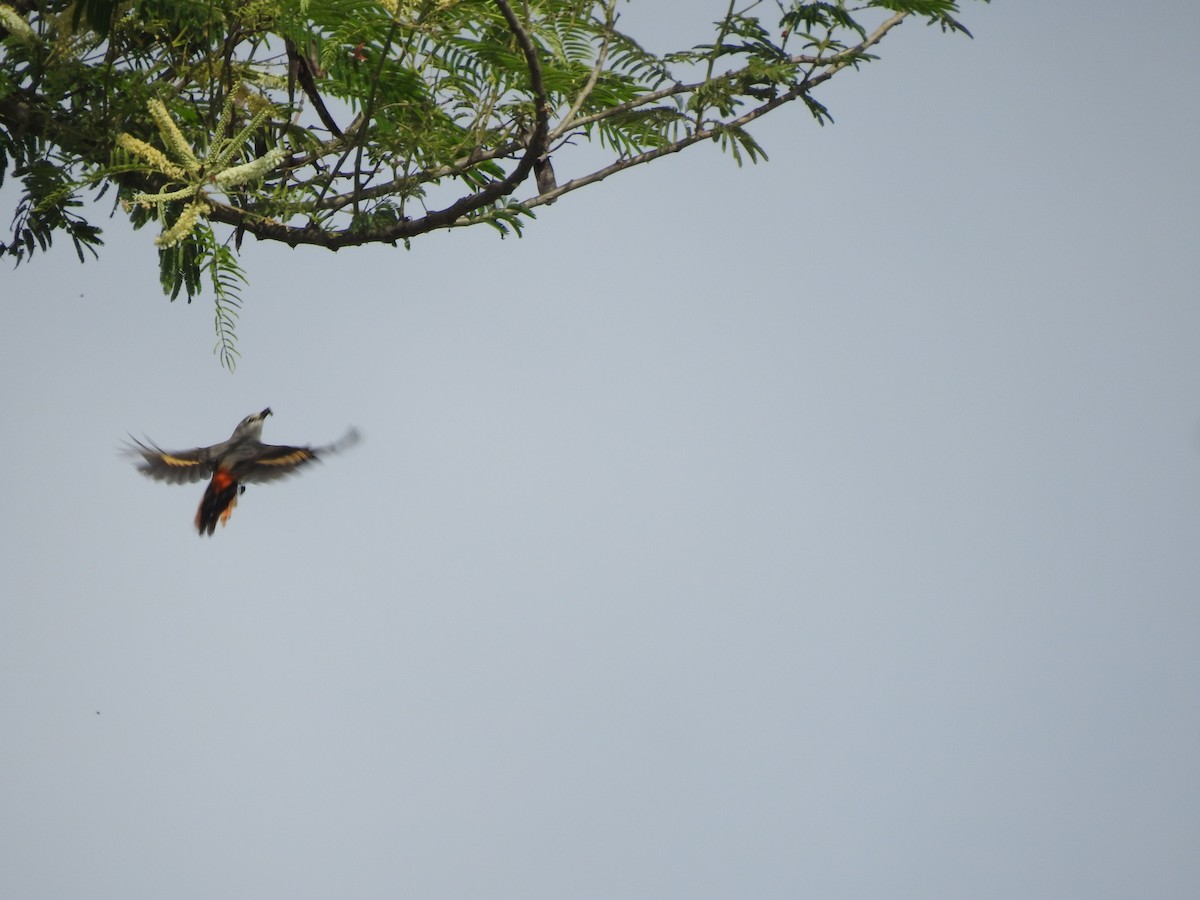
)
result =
(346, 441)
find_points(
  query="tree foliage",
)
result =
(339, 123)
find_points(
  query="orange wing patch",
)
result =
(290, 459)
(177, 462)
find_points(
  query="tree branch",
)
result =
(833, 65)
(312, 233)
(466, 127)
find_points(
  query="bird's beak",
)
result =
(266, 412)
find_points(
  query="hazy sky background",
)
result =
(826, 528)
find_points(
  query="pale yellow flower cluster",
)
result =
(151, 155)
(250, 171)
(183, 225)
(191, 173)
(172, 136)
(15, 25)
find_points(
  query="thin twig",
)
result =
(567, 122)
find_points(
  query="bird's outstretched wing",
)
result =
(174, 466)
(277, 460)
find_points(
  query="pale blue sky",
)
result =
(826, 528)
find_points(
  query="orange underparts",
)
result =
(220, 497)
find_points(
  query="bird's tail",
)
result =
(219, 500)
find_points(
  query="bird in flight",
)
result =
(230, 466)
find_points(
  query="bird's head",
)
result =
(251, 426)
